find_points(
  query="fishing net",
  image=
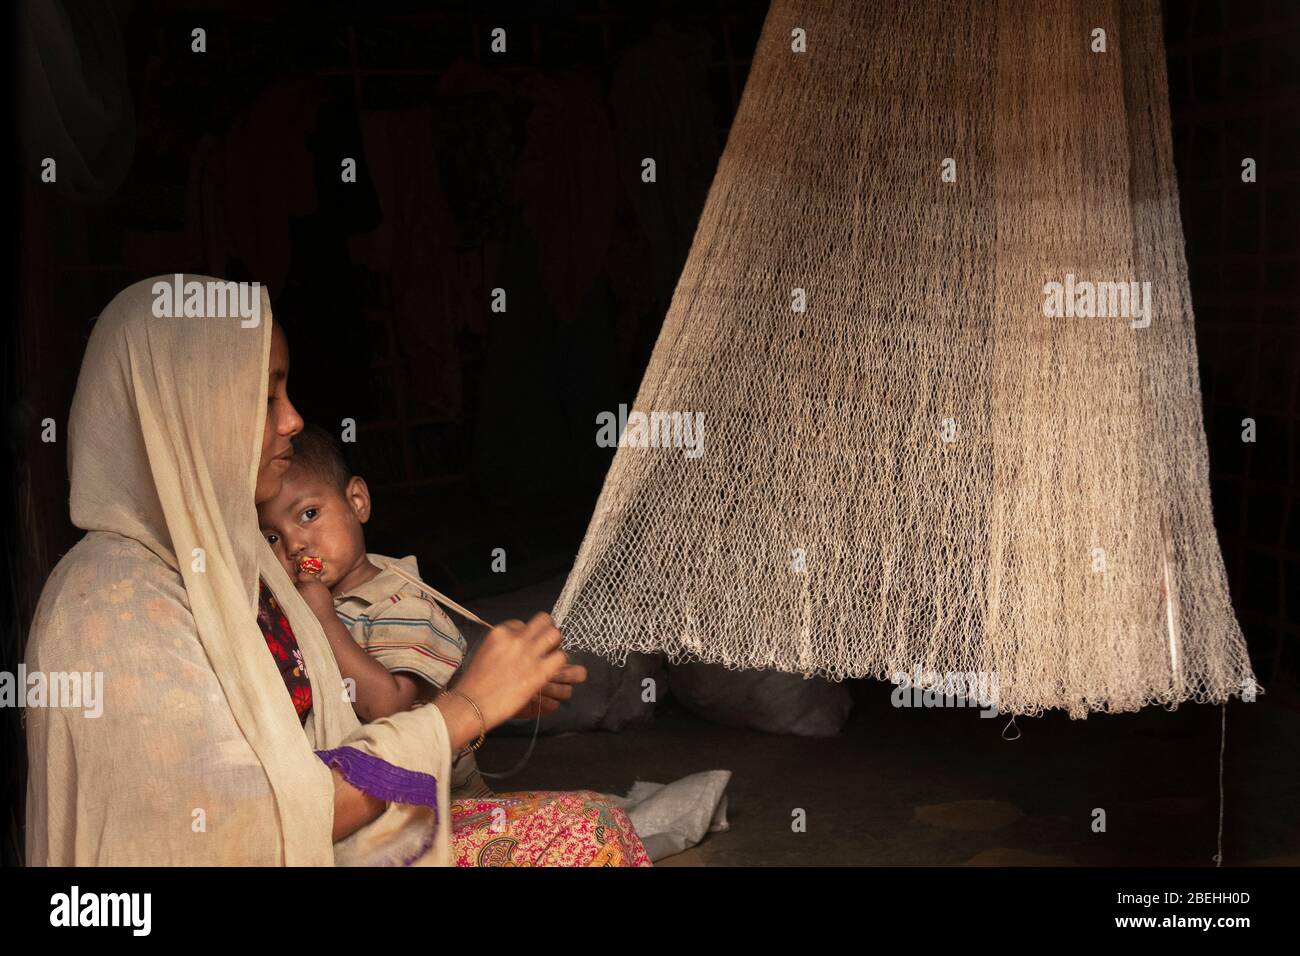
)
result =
(907, 465)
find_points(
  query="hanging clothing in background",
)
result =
(478, 136)
(432, 280)
(266, 202)
(541, 371)
(247, 185)
(346, 206)
(75, 102)
(319, 305)
(663, 109)
(566, 184)
(550, 355)
(629, 268)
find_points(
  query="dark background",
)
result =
(521, 170)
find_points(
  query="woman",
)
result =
(205, 752)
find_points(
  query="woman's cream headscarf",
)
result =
(199, 756)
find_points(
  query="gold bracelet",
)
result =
(481, 722)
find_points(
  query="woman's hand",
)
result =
(558, 688)
(515, 662)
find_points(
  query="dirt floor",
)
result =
(943, 787)
(937, 787)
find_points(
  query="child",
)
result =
(388, 636)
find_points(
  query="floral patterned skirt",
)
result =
(543, 828)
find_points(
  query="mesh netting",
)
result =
(921, 470)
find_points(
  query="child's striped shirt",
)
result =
(403, 628)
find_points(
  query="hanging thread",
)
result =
(1223, 742)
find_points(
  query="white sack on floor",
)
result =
(672, 817)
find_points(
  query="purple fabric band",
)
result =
(380, 779)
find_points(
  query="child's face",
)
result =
(311, 516)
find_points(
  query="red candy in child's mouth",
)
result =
(310, 565)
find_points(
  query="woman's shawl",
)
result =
(198, 756)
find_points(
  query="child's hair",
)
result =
(320, 453)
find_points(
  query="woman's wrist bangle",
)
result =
(481, 722)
